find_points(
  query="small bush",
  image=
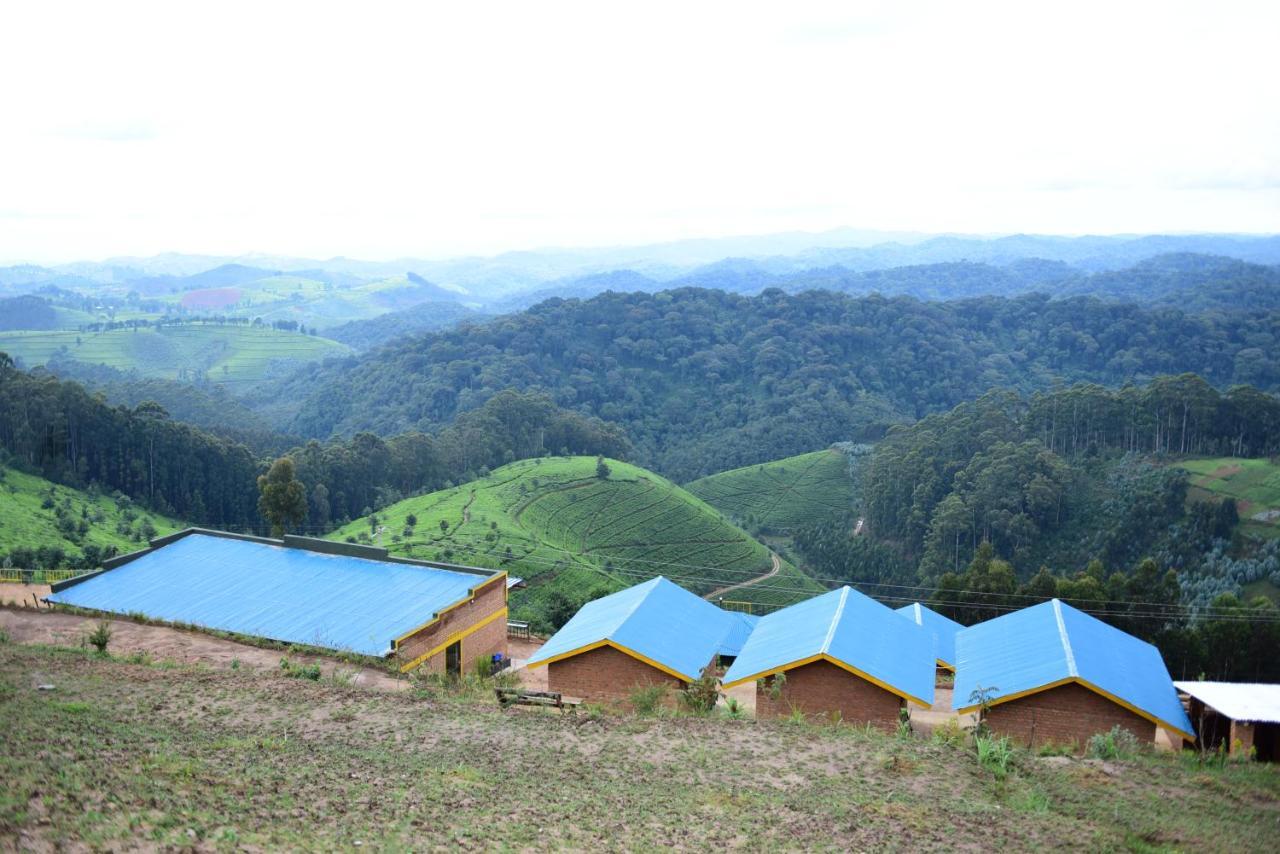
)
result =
(995, 754)
(733, 709)
(648, 698)
(773, 685)
(701, 696)
(483, 666)
(1032, 801)
(100, 637)
(949, 733)
(4, 637)
(1119, 743)
(235, 664)
(300, 671)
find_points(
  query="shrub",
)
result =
(949, 733)
(701, 696)
(483, 666)
(101, 636)
(733, 709)
(773, 685)
(647, 699)
(300, 671)
(994, 754)
(1119, 743)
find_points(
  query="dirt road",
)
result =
(777, 565)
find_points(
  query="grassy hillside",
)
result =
(555, 523)
(130, 755)
(783, 494)
(35, 514)
(220, 352)
(1254, 484)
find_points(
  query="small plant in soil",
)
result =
(100, 637)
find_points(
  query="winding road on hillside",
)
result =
(777, 565)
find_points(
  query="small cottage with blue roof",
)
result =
(839, 653)
(655, 633)
(1052, 673)
(942, 629)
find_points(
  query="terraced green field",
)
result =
(73, 520)
(1253, 483)
(221, 352)
(554, 523)
(781, 495)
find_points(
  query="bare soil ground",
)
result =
(129, 756)
(22, 595)
(177, 645)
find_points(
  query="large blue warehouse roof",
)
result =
(848, 629)
(657, 622)
(263, 588)
(941, 628)
(1053, 644)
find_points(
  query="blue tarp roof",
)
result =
(658, 620)
(271, 591)
(848, 628)
(1052, 643)
(742, 626)
(943, 630)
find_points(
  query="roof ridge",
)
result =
(1066, 639)
(653, 585)
(835, 620)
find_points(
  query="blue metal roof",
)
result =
(1053, 643)
(657, 620)
(942, 628)
(272, 591)
(850, 629)
(739, 631)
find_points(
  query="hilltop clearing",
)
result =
(220, 352)
(564, 529)
(1253, 483)
(122, 754)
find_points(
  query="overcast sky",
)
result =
(380, 130)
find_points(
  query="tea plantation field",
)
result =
(783, 494)
(558, 525)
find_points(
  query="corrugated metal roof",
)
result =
(1052, 644)
(943, 630)
(740, 630)
(850, 629)
(1251, 702)
(657, 620)
(287, 594)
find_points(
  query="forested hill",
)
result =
(704, 381)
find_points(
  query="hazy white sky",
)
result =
(379, 130)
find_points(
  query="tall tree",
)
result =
(282, 497)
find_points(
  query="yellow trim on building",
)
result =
(620, 648)
(470, 597)
(454, 638)
(1075, 680)
(824, 657)
(945, 666)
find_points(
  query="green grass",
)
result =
(554, 523)
(24, 522)
(781, 495)
(220, 352)
(123, 756)
(1253, 483)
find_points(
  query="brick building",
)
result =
(655, 633)
(1240, 718)
(301, 590)
(1054, 674)
(841, 653)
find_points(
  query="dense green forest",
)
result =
(60, 431)
(704, 381)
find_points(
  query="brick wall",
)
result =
(1241, 739)
(489, 598)
(1064, 715)
(820, 688)
(605, 675)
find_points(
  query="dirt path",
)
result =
(777, 565)
(30, 626)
